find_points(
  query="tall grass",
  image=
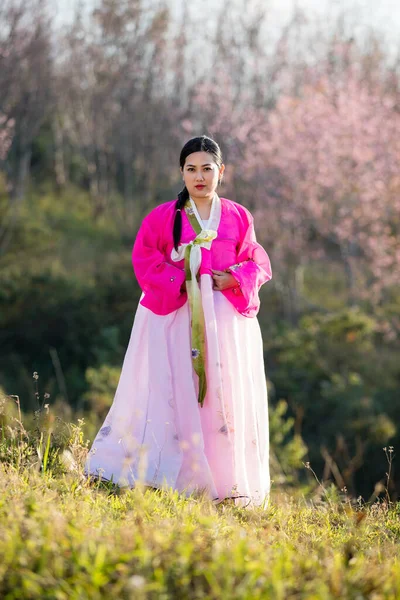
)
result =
(63, 536)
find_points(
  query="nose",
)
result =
(199, 176)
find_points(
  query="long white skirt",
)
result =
(156, 431)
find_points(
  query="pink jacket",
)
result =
(235, 247)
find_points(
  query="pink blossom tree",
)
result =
(323, 169)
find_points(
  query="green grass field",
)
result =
(64, 537)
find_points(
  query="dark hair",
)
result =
(196, 144)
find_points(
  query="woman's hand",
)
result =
(223, 280)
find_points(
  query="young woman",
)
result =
(191, 408)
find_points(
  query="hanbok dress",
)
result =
(156, 431)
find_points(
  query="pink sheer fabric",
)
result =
(155, 430)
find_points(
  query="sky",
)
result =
(381, 15)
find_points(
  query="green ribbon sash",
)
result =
(203, 237)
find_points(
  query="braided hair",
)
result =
(196, 144)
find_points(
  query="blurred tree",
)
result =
(25, 91)
(6, 132)
(114, 106)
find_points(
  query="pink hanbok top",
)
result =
(235, 248)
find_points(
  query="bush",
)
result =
(329, 371)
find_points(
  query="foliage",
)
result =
(67, 298)
(287, 450)
(102, 382)
(73, 318)
(329, 370)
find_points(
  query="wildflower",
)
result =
(35, 375)
(136, 582)
(195, 353)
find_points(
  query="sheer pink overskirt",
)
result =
(157, 433)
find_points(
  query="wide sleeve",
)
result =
(253, 268)
(159, 280)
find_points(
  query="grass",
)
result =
(64, 537)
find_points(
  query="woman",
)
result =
(191, 409)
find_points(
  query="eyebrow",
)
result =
(205, 165)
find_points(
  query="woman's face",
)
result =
(201, 174)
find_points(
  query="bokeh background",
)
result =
(96, 101)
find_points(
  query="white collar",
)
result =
(215, 213)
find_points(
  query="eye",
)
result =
(190, 169)
(208, 169)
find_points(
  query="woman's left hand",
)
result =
(223, 280)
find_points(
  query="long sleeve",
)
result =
(252, 270)
(159, 280)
